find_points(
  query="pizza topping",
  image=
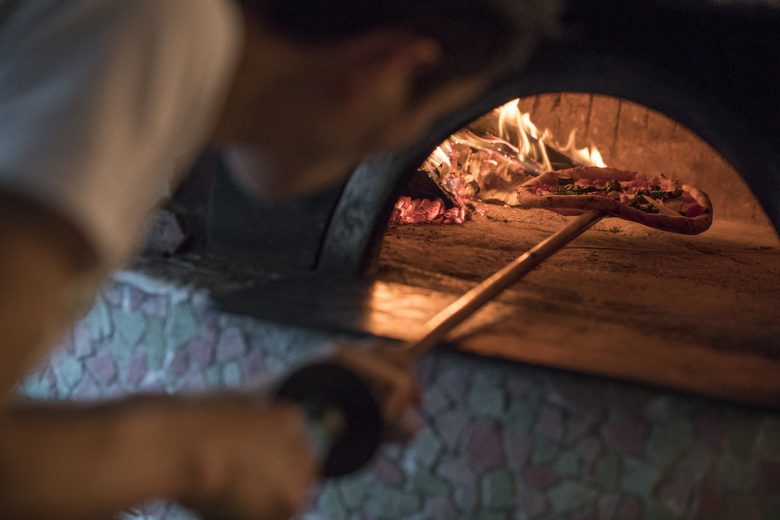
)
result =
(654, 201)
(648, 195)
(643, 203)
(694, 210)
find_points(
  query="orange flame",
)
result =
(589, 156)
(441, 155)
(512, 121)
(515, 134)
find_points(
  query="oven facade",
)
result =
(711, 67)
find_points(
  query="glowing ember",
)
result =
(421, 211)
(488, 161)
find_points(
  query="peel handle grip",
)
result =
(343, 416)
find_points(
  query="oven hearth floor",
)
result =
(695, 312)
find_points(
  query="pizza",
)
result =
(654, 201)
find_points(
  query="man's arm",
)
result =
(83, 462)
(51, 459)
(226, 455)
(46, 268)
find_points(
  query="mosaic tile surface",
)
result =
(501, 441)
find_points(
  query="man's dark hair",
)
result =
(476, 36)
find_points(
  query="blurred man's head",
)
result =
(324, 83)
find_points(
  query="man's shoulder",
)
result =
(99, 100)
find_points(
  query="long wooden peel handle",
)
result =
(458, 311)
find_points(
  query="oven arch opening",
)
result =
(353, 238)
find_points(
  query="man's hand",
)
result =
(248, 461)
(261, 465)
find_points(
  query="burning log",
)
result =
(425, 185)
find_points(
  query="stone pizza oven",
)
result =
(688, 90)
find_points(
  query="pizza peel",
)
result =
(345, 421)
(436, 329)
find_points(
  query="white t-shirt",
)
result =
(101, 101)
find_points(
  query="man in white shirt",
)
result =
(104, 102)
